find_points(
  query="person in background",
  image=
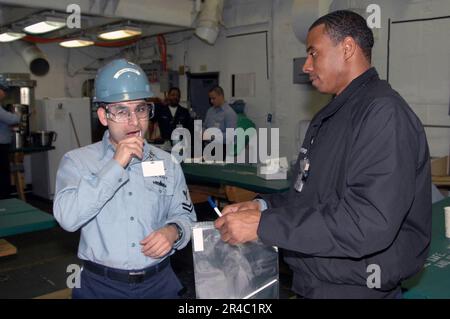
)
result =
(220, 115)
(171, 114)
(7, 119)
(356, 221)
(129, 199)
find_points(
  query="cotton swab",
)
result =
(213, 205)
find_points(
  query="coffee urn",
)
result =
(20, 100)
(22, 131)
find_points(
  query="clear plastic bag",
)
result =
(224, 271)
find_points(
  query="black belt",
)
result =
(127, 276)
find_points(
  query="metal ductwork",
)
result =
(33, 57)
(208, 20)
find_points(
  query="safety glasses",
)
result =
(121, 113)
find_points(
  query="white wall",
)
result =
(419, 60)
(58, 82)
(241, 48)
(292, 103)
(420, 71)
(289, 103)
(65, 77)
(274, 92)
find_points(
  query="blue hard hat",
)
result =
(121, 80)
(3, 83)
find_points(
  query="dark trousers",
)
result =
(5, 178)
(162, 285)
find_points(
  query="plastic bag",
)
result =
(225, 271)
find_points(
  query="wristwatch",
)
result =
(179, 230)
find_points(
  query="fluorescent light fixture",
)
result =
(45, 25)
(76, 43)
(11, 36)
(120, 32)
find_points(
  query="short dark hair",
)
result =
(218, 90)
(174, 88)
(344, 23)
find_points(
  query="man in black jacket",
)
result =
(172, 114)
(357, 219)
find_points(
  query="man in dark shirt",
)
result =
(356, 221)
(171, 114)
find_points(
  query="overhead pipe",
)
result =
(117, 43)
(163, 50)
(208, 20)
(33, 57)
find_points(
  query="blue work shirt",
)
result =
(7, 119)
(116, 208)
(221, 117)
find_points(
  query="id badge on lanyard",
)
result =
(305, 163)
(302, 174)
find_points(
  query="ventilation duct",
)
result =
(33, 57)
(208, 20)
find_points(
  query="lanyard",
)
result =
(305, 163)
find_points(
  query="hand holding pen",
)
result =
(237, 223)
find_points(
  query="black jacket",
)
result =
(167, 123)
(367, 198)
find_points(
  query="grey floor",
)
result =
(40, 266)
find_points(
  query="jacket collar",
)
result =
(352, 88)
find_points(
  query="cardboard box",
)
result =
(440, 171)
(273, 169)
(440, 166)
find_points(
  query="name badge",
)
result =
(153, 168)
(302, 175)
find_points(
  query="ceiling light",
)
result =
(11, 36)
(121, 32)
(76, 43)
(45, 25)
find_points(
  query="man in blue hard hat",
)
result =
(129, 198)
(6, 120)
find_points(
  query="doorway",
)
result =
(199, 85)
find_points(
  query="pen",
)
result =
(213, 205)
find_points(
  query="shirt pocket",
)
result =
(160, 193)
